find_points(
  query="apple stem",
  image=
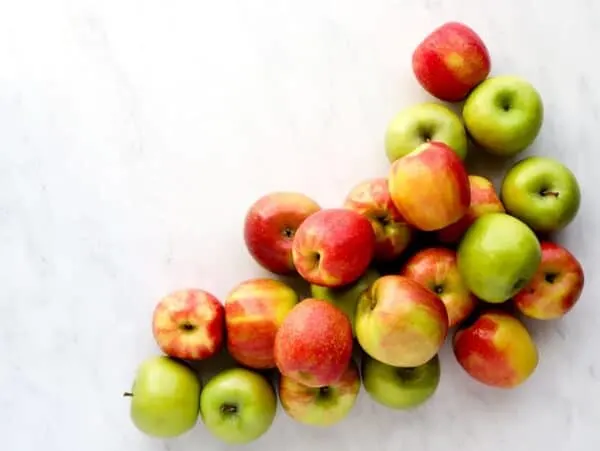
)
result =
(127, 395)
(549, 193)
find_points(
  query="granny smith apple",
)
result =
(542, 192)
(421, 123)
(164, 397)
(504, 115)
(498, 255)
(238, 405)
(400, 388)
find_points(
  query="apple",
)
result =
(371, 198)
(189, 324)
(484, 199)
(555, 287)
(504, 115)
(430, 186)
(400, 322)
(270, 225)
(498, 256)
(164, 397)
(436, 268)
(313, 345)
(421, 123)
(496, 350)
(542, 192)
(333, 247)
(254, 310)
(400, 388)
(451, 61)
(238, 406)
(346, 297)
(320, 406)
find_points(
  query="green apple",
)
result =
(542, 192)
(346, 297)
(504, 115)
(498, 255)
(164, 397)
(238, 405)
(400, 388)
(421, 123)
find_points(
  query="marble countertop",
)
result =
(134, 135)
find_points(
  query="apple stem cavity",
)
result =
(438, 289)
(550, 277)
(547, 192)
(229, 409)
(324, 391)
(288, 232)
(187, 327)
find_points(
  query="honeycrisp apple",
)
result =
(555, 287)
(254, 310)
(371, 198)
(424, 122)
(504, 115)
(189, 324)
(430, 186)
(451, 61)
(542, 192)
(270, 225)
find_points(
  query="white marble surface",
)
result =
(133, 136)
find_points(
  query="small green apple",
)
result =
(164, 397)
(504, 115)
(498, 256)
(542, 192)
(238, 405)
(400, 388)
(421, 123)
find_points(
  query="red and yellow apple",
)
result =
(555, 287)
(451, 61)
(254, 310)
(333, 247)
(496, 350)
(270, 225)
(371, 198)
(313, 345)
(189, 324)
(430, 186)
(400, 322)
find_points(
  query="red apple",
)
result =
(430, 186)
(371, 198)
(436, 268)
(313, 345)
(254, 310)
(333, 247)
(496, 350)
(270, 226)
(555, 287)
(189, 324)
(451, 61)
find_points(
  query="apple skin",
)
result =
(254, 310)
(496, 350)
(498, 256)
(313, 345)
(484, 199)
(333, 247)
(430, 187)
(542, 192)
(400, 388)
(320, 406)
(422, 123)
(189, 324)
(555, 287)
(270, 225)
(400, 322)
(436, 268)
(371, 198)
(504, 115)
(451, 61)
(238, 406)
(164, 398)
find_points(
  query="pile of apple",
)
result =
(466, 257)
